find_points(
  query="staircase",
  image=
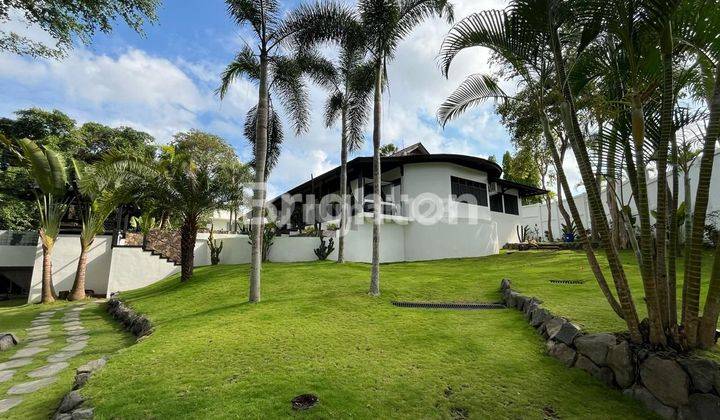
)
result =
(162, 243)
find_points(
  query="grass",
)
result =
(316, 331)
(106, 338)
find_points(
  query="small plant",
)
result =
(711, 229)
(269, 232)
(569, 232)
(523, 233)
(144, 224)
(324, 250)
(215, 249)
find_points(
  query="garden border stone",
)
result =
(671, 385)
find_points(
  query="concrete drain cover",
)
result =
(304, 401)
(449, 305)
(567, 281)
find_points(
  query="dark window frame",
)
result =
(513, 208)
(461, 186)
(496, 203)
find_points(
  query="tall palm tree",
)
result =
(349, 102)
(48, 170)
(264, 62)
(386, 23)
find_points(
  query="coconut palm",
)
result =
(48, 170)
(261, 62)
(386, 23)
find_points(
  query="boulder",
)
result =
(510, 300)
(521, 301)
(82, 413)
(71, 401)
(80, 380)
(619, 359)
(641, 394)
(568, 332)
(529, 309)
(7, 340)
(562, 352)
(505, 284)
(538, 316)
(701, 407)
(552, 326)
(666, 380)
(595, 346)
(92, 366)
(703, 373)
(603, 374)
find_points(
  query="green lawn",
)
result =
(106, 338)
(316, 331)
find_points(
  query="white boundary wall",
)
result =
(536, 214)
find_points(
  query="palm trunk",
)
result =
(709, 321)
(343, 186)
(259, 187)
(377, 173)
(548, 203)
(47, 294)
(673, 249)
(78, 289)
(592, 260)
(188, 235)
(647, 272)
(693, 257)
(598, 212)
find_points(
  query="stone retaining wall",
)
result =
(672, 385)
(137, 324)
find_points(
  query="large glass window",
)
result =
(511, 204)
(496, 202)
(460, 187)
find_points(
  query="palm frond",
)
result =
(473, 90)
(309, 25)
(333, 108)
(245, 64)
(275, 137)
(288, 85)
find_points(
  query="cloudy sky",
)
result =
(164, 82)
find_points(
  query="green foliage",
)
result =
(388, 149)
(712, 229)
(523, 233)
(143, 223)
(66, 22)
(215, 248)
(325, 249)
(269, 233)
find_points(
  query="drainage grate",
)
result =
(449, 305)
(567, 281)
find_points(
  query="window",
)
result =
(511, 204)
(496, 202)
(461, 186)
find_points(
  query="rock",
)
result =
(568, 332)
(619, 359)
(701, 407)
(6, 375)
(641, 394)
(8, 403)
(603, 374)
(529, 309)
(505, 284)
(80, 380)
(521, 301)
(703, 373)
(304, 401)
(83, 413)
(92, 366)
(538, 316)
(595, 346)
(72, 400)
(666, 380)
(562, 352)
(552, 326)
(510, 301)
(7, 340)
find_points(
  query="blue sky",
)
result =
(163, 83)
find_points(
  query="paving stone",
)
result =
(5, 375)
(32, 386)
(72, 324)
(81, 331)
(40, 322)
(28, 352)
(77, 346)
(40, 342)
(76, 338)
(47, 313)
(76, 327)
(62, 356)
(15, 363)
(39, 328)
(48, 370)
(34, 337)
(76, 309)
(9, 403)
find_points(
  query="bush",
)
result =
(712, 229)
(215, 249)
(324, 250)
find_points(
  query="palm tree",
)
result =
(94, 212)
(47, 167)
(348, 102)
(265, 62)
(386, 23)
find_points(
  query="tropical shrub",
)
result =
(325, 249)
(215, 248)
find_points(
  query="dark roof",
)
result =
(415, 149)
(364, 165)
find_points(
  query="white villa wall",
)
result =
(133, 268)
(65, 259)
(17, 256)
(536, 214)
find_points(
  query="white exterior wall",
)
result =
(536, 214)
(17, 256)
(133, 268)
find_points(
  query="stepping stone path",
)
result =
(38, 338)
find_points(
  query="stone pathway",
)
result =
(38, 338)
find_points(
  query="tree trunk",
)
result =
(548, 203)
(78, 289)
(377, 174)
(592, 260)
(343, 185)
(693, 255)
(673, 249)
(709, 320)
(188, 235)
(259, 187)
(598, 212)
(47, 294)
